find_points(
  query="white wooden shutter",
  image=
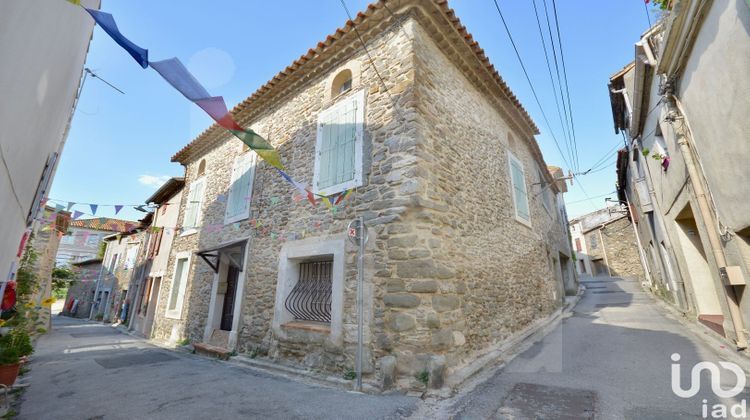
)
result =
(240, 188)
(520, 196)
(338, 150)
(193, 206)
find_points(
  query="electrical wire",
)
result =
(531, 85)
(565, 77)
(586, 199)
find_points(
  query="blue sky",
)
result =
(119, 147)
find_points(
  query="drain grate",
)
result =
(145, 358)
(616, 305)
(532, 401)
(94, 334)
(608, 291)
(596, 287)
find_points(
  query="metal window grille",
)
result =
(310, 299)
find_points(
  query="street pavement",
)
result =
(608, 359)
(86, 370)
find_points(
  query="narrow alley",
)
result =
(86, 370)
(609, 358)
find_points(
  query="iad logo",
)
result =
(717, 410)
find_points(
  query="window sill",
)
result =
(524, 222)
(189, 232)
(310, 326)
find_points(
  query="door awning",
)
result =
(212, 255)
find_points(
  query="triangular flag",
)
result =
(77, 214)
(70, 205)
(76, 2)
(93, 208)
(118, 207)
(59, 207)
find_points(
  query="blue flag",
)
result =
(107, 22)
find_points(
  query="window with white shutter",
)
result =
(518, 189)
(194, 205)
(338, 149)
(240, 188)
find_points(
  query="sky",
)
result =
(120, 145)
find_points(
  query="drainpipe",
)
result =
(696, 181)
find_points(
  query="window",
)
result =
(342, 83)
(155, 242)
(130, 257)
(593, 241)
(310, 299)
(194, 204)
(240, 188)
(518, 187)
(179, 282)
(42, 187)
(578, 244)
(113, 263)
(202, 168)
(338, 149)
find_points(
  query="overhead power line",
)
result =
(531, 85)
(565, 77)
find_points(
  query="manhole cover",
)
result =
(531, 401)
(145, 358)
(617, 305)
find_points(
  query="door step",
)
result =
(714, 322)
(212, 351)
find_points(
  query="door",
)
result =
(151, 309)
(227, 310)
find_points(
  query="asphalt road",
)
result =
(84, 370)
(609, 359)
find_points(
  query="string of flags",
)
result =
(174, 72)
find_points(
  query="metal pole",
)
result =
(360, 298)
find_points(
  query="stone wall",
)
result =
(622, 250)
(465, 273)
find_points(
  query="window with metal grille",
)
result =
(310, 299)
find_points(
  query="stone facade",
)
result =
(614, 251)
(83, 289)
(449, 271)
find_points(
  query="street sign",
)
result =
(353, 232)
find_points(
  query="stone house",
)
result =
(682, 105)
(81, 294)
(158, 231)
(119, 263)
(605, 244)
(462, 213)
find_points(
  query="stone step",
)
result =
(213, 351)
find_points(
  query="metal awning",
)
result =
(212, 254)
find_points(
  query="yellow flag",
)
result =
(76, 2)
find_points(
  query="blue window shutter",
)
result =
(238, 203)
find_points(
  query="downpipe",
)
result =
(714, 239)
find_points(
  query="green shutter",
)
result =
(238, 202)
(337, 145)
(519, 190)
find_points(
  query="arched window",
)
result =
(202, 168)
(342, 83)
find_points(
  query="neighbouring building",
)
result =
(149, 291)
(39, 81)
(466, 232)
(605, 244)
(119, 263)
(81, 294)
(682, 106)
(85, 237)
(45, 240)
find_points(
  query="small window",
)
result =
(202, 168)
(240, 188)
(518, 189)
(342, 83)
(578, 244)
(177, 292)
(194, 204)
(338, 148)
(310, 299)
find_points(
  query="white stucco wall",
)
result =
(43, 45)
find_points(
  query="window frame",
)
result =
(199, 211)
(176, 313)
(358, 98)
(511, 160)
(252, 162)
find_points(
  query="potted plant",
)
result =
(14, 345)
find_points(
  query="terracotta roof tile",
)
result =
(105, 224)
(443, 7)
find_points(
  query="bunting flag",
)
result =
(107, 23)
(77, 214)
(93, 208)
(118, 208)
(177, 75)
(70, 205)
